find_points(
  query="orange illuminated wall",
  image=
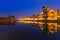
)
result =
(52, 14)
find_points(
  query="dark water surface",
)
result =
(22, 31)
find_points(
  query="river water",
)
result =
(28, 30)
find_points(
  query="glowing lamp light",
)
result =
(28, 18)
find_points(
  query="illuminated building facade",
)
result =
(52, 14)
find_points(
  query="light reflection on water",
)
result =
(48, 28)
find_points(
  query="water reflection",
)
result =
(48, 28)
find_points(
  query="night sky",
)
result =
(21, 8)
